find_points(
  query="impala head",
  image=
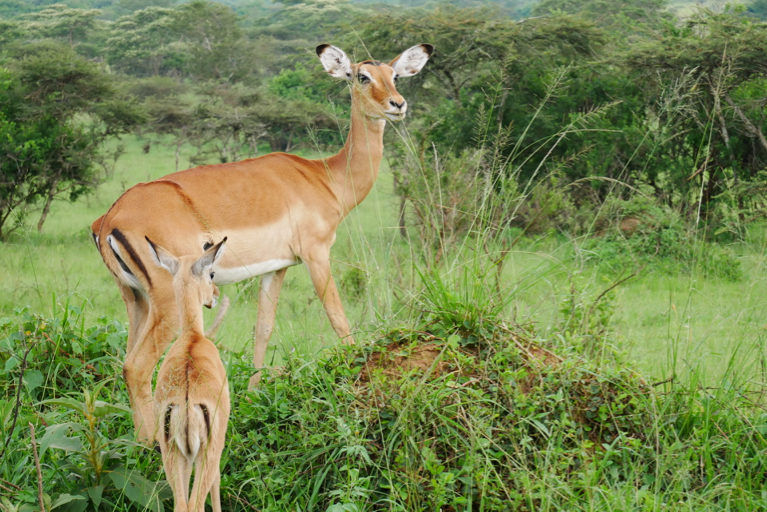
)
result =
(374, 87)
(191, 274)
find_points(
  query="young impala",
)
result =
(192, 395)
(278, 210)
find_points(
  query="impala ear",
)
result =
(208, 259)
(410, 62)
(335, 61)
(163, 258)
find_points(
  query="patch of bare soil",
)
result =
(403, 357)
(397, 359)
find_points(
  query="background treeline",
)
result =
(554, 106)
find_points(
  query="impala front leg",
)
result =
(319, 269)
(271, 284)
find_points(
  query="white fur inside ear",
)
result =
(411, 61)
(163, 258)
(335, 62)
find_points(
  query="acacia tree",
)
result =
(144, 43)
(56, 111)
(705, 82)
(58, 21)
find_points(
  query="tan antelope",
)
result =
(278, 210)
(192, 394)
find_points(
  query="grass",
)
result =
(660, 321)
(479, 426)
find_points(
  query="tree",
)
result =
(56, 110)
(214, 42)
(61, 22)
(705, 83)
(142, 43)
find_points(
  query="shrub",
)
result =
(633, 234)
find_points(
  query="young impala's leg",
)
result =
(142, 360)
(215, 494)
(318, 264)
(178, 471)
(206, 469)
(271, 284)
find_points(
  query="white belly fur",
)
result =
(236, 274)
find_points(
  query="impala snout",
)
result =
(397, 108)
(212, 301)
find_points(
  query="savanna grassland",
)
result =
(557, 285)
(704, 331)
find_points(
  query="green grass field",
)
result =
(662, 323)
(480, 425)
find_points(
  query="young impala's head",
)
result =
(374, 83)
(192, 276)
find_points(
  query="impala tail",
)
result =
(188, 427)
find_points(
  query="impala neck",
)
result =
(354, 169)
(189, 309)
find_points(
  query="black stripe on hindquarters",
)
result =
(132, 253)
(206, 415)
(168, 411)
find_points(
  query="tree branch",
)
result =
(756, 131)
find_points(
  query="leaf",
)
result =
(55, 437)
(33, 379)
(69, 403)
(116, 341)
(102, 409)
(77, 349)
(11, 363)
(137, 488)
(64, 499)
(95, 493)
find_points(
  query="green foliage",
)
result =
(61, 22)
(472, 414)
(56, 111)
(60, 368)
(639, 233)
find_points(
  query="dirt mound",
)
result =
(396, 359)
(427, 353)
(509, 371)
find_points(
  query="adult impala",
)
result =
(277, 210)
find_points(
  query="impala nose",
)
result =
(397, 105)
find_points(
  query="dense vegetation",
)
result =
(620, 139)
(582, 101)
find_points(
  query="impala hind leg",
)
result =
(325, 286)
(178, 472)
(271, 284)
(141, 362)
(138, 311)
(206, 479)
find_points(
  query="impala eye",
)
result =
(363, 78)
(395, 78)
(212, 275)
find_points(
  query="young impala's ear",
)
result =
(162, 257)
(335, 61)
(207, 260)
(410, 62)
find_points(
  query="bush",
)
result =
(638, 233)
(63, 378)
